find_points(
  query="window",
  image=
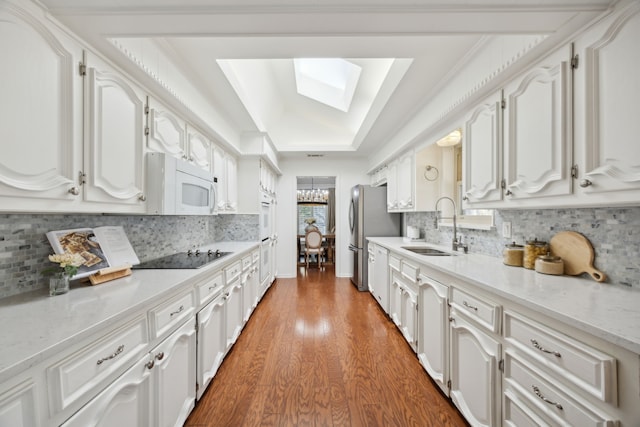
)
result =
(309, 210)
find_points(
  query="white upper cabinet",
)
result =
(608, 80)
(225, 168)
(482, 152)
(199, 149)
(538, 130)
(401, 183)
(114, 144)
(167, 132)
(41, 125)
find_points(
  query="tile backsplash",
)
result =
(24, 246)
(613, 232)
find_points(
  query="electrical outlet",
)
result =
(506, 229)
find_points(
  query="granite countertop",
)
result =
(610, 312)
(36, 326)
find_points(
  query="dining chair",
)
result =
(313, 245)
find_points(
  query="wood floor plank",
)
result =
(316, 352)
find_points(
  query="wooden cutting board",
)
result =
(577, 253)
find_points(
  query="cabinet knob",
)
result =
(74, 191)
(509, 193)
(142, 197)
(160, 355)
(465, 198)
(150, 364)
(585, 183)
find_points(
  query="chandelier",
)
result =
(313, 195)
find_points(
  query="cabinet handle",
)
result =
(119, 350)
(160, 355)
(544, 350)
(150, 364)
(585, 183)
(74, 191)
(466, 304)
(179, 310)
(536, 390)
(142, 197)
(211, 288)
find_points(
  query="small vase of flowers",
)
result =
(59, 276)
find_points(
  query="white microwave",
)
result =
(176, 187)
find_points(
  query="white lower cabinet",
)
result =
(379, 275)
(158, 390)
(126, 402)
(234, 314)
(475, 377)
(433, 330)
(18, 404)
(212, 341)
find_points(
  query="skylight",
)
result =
(331, 81)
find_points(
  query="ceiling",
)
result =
(239, 54)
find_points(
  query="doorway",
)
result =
(316, 208)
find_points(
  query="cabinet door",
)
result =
(538, 130)
(126, 402)
(41, 112)
(395, 299)
(392, 185)
(174, 376)
(114, 165)
(167, 132)
(220, 171)
(234, 314)
(231, 181)
(199, 149)
(611, 125)
(381, 274)
(212, 342)
(18, 405)
(371, 260)
(433, 330)
(409, 315)
(482, 152)
(406, 175)
(475, 379)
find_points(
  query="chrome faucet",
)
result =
(456, 244)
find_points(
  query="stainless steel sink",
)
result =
(421, 250)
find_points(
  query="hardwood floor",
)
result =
(317, 352)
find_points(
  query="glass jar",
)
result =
(532, 250)
(513, 254)
(58, 284)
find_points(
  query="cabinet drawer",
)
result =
(232, 272)
(246, 263)
(409, 271)
(588, 368)
(541, 396)
(82, 371)
(170, 314)
(255, 256)
(394, 262)
(208, 289)
(486, 313)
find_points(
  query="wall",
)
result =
(612, 231)
(24, 246)
(348, 173)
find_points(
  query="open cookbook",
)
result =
(101, 247)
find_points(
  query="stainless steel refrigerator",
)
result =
(368, 217)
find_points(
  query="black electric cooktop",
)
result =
(187, 260)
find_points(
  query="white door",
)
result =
(231, 183)
(482, 152)
(395, 299)
(114, 164)
(538, 130)
(406, 174)
(381, 273)
(212, 341)
(167, 132)
(40, 113)
(392, 186)
(433, 331)
(475, 379)
(409, 316)
(199, 149)
(234, 314)
(174, 377)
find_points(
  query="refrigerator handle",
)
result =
(353, 248)
(352, 215)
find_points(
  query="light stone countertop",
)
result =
(36, 326)
(610, 312)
